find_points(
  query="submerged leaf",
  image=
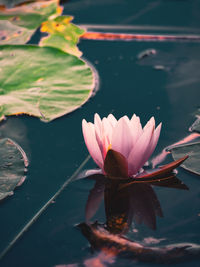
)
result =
(13, 161)
(18, 24)
(114, 245)
(42, 81)
(62, 34)
(192, 164)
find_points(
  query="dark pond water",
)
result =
(165, 86)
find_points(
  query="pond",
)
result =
(148, 78)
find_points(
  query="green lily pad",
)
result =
(18, 24)
(62, 34)
(42, 81)
(13, 163)
(13, 34)
(192, 164)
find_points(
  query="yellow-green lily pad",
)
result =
(42, 81)
(62, 34)
(18, 24)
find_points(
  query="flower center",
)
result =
(109, 147)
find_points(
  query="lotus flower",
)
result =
(125, 136)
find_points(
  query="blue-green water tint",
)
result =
(182, 13)
(127, 86)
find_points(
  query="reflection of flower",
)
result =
(124, 136)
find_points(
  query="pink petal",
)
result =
(151, 123)
(153, 143)
(155, 139)
(91, 143)
(122, 138)
(151, 147)
(97, 124)
(112, 120)
(107, 129)
(136, 128)
(98, 131)
(103, 131)
(126, 119)
(137, 157)
(133, 117)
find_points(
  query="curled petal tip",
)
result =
(84, 122)
(97, 115)
(158, 129)
(152, 120)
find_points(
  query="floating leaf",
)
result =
(13, 161)
(62, 34)
(192, 164)
(13, 34)
(196, 125)
(42, 81)
(19, 23)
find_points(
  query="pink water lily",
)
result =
(125, 136)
